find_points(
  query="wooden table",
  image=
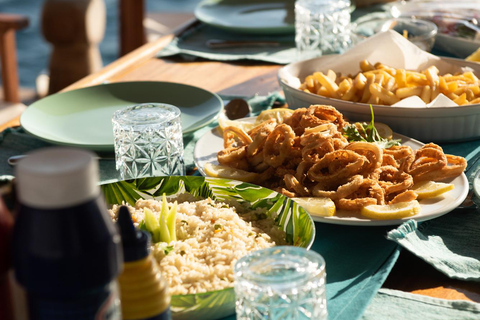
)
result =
(409, 274)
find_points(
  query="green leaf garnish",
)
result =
(362, 131)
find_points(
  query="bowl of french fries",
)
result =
(432, 99)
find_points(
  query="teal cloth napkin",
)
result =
(393, 304)
(450, 243)
(192, 45)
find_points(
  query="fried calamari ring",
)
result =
(359, 193)
(392, 180)
(317, 150)
(320, 114)
(321, 132)
(294, 121)
(389, 160)
(403, 155)
(279, 145)
(292, 184)
(235, 137)
(455, 167)
(428, 158)
(234, 157)
(336, 167)
(371, 151)
(259, 135)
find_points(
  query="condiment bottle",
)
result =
(66, 249)
(143, 290)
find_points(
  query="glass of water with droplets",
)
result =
(148, 141)
(281, 283)
(322, 27)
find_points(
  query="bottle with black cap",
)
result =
(66, 250)
(143, 290)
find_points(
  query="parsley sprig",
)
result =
(363, 131)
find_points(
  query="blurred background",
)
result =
(33, 50)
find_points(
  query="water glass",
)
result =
(322, 27)
(148, 141)
(284, 282)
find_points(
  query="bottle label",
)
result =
(100, 305)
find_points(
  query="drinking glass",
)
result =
(322, 27)
(148, 141)
(283, 282)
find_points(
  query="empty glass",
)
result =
(148, 141)
(284, 282)
(322, 27)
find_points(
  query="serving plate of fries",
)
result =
(210, 149)
(436, 101)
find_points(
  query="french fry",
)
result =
(365, 65)
(426, 94)
(366, 92)
(331, 86)
(461, 100)
(406, 92)
(383, 94)
(360, 81)
(332, 75)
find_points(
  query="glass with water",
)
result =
(322, 27)
(284, 282)
(148, 141)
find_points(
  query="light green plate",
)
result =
(82, 118)
(292, 218)
(249, 16)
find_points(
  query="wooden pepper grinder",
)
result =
(75, 29)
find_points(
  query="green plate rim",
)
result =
(110, 147)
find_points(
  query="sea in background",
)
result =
(33, 51)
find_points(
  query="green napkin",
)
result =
(392, 304)
(450, 243)
(192, 44)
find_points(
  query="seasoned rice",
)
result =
(211, 237)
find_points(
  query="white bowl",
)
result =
(440, 124)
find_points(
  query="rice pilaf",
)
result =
(211, 237)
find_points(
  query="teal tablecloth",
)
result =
(358, 258)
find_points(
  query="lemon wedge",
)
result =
(321, 206)
(224, 122)
(392, 211)
(219, 171)
(277, 113)
(431, 189)
(384, 130)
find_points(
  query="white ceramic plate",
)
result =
(82, 118)
(211, 142)
(249, 16)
